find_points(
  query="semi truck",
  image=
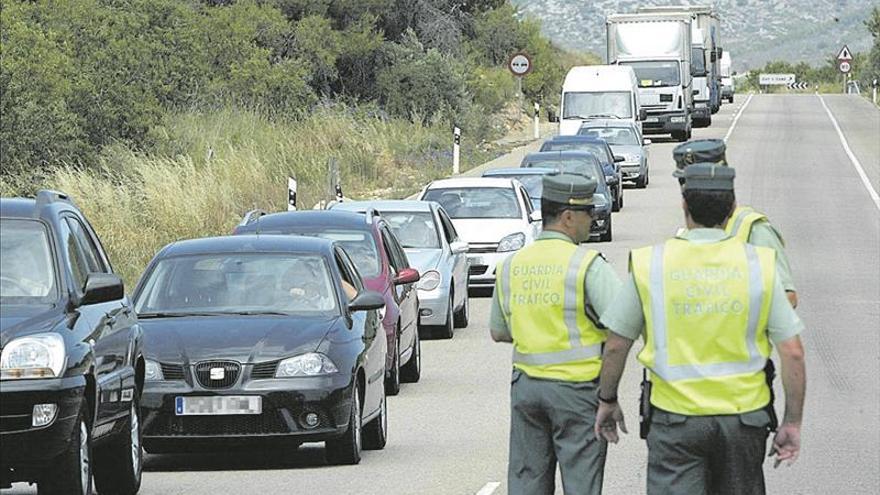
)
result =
(658, 48)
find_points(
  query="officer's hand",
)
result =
(607, 418)
(786, 444)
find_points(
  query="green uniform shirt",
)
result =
(765, 235)
(601, 284)
(626, 317)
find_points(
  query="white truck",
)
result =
(599, 92)
(727, 84)
(658, 48)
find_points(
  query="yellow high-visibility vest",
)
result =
(739, 224)
(543, 301)
(706, 308)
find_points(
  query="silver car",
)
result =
(433, 247)
(626, 141)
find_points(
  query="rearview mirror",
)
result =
(102, 287)
(458, 247)
(407, 276)
(535, 216)
(643, 114)
(646, 141)
(366, 301)
(618, 159)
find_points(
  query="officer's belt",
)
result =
(558, 357)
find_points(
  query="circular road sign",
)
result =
(520, 64)
(845, 66)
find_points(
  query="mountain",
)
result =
(754, 31)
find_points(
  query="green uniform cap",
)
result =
(569, 189)
(708, 177)
(698, 151)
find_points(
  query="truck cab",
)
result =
(702, 99)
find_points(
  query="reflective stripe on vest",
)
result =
(740, 223)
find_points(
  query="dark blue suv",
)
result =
(600, 148)
(71, 366)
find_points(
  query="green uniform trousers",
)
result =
(707, 455)
(552, 421)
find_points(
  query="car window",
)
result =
(359, 244)
(76, 259)
(413, 229)
(93, 260)
(231, 283)
(612, 135)
(476, 202)
(526, 201)
(395, 252)
(27, 266)
(448, 227)
(351, 282)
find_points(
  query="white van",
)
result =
(599, 92)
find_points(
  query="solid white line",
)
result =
(852, 157)
(489, 488)
(738, 114)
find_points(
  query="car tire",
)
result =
(376, 431)
(411, 372)
(620, 195)
(71, 472)
(447, 330)
(119, 463)
(615, 202)
(606, 236)
(463, 315)
(730, 99)
(392, 382)
(642, 181)
(346, 449)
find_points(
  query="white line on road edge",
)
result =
(489, 488)
(852, 157)
(738, 114)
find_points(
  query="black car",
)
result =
(601, 149)
(581, 163)
(261, 340)
(71, 368)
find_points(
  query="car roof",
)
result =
(471, 182)
(521, 171)
(35, 208)
(249, 244)
(384, 205)
(308, 218)
(543, 156)
(577, 139)
(17, 207)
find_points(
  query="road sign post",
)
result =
(874, 91)
(844, 64)
(456, 151)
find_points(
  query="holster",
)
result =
(770, 375)
(645, 409)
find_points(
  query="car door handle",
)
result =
(110, 319)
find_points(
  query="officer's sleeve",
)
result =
(497, 322)
(601, 285)
(783, 323)
(625, 316)
(765, 235)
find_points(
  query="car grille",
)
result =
(477, 269)
(666, 97)
(489, 247)
(264, 370)
(171, 371)
(268, 423)
(231, 370)
(15, 415)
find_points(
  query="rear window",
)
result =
(476, 202)
(359, 244)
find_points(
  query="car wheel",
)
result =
(71, 472)
(642, 181)
(376, 431)
(606, 236)
(119, 464)
(463, 315)
(347, 448)
(730, 99)
(392, 383)
(615, 202)
(411, 372)
(447, 330)
(620, 195)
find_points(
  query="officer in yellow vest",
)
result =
(745, 223)
(709, 307)
(546, 302)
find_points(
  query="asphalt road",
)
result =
(448, 433)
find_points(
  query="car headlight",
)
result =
(430, 280)
(153, 372)
(310, 364)
(677, 119)
(512, 242)
(35, 356)
(633, 158)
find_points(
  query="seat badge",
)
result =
(218, 373)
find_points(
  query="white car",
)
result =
(494, 216)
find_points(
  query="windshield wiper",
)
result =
(172, 314)
(575, 117)
(255, 313)
(604, 116)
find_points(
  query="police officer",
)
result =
(746, 224)
(546, 302)
(709, 307)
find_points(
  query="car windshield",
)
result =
(595, 148)
(656, 73)
(476, 202)
(27, 268)
(622, 136)
(359, 244)
(534, 183)
(415, 230)
(590, 168)
(237, 283)
(597, 104)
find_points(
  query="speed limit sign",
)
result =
(844, 66)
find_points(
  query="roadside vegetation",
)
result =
(168, 119)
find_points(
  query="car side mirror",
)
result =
(696, 91)
(535, 216)
(366, 301)
(458, 247)
(552, 117)
(407, 276)
(102, 287)
(643, 114)
(646, 141)
(618, 159)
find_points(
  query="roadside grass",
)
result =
(205, 170)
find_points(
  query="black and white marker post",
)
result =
(537, 123)
(456, 151)
(291, 194)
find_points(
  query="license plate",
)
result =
(652, 119)
(218, 405)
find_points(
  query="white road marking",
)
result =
(489, 488)
(736, 118)
(852, 157)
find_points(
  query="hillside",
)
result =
(754, 31)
